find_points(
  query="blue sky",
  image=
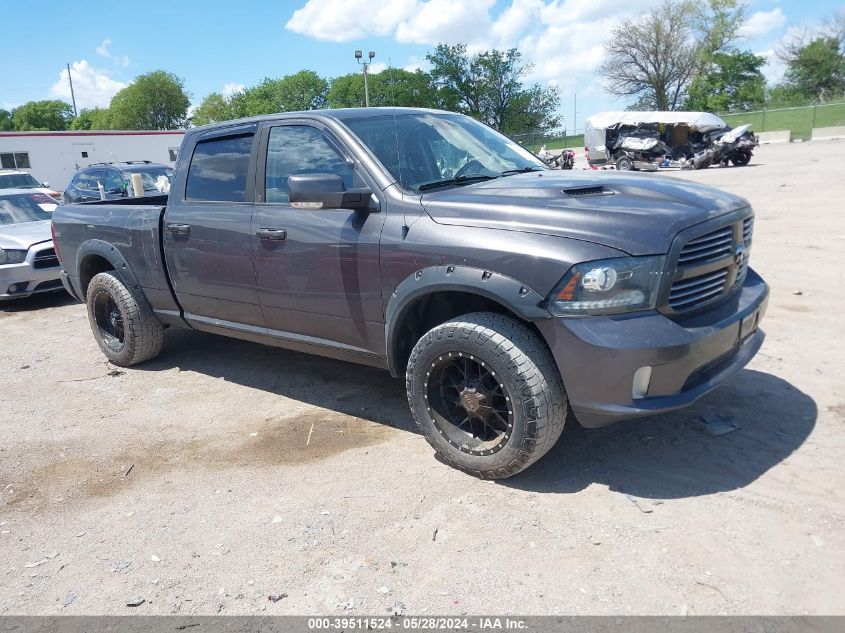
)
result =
(217, 46)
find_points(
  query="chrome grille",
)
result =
(747, 229)
(694, 291)
(709, 247)
(45, 259)
(709, 267)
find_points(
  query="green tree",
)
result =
(42, 115)
(655, 58)
(489, 86)
(392, 86)
(92, 119)
(215, 107)
(717, 24)
(732, 82)
(304, 90)
(817, 69)
(154, 101)
(6, 121)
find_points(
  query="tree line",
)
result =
(490, 86)
(680, 55)
(683, 56)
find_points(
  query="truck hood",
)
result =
(636, 213)
(25, 234)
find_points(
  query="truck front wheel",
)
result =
(485, 392)
(124, 326)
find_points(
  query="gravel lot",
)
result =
(190, 482)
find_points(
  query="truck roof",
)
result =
(339, 114)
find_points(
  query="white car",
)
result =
(17, 179)
(28, 260)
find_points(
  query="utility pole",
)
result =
(359, 55)
(575, 113)
(72, 97)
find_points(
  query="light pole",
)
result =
(359, 55)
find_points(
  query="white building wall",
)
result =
(55, 157)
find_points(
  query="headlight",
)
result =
(607, 286)
(11, 257)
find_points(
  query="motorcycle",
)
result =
(564, 160)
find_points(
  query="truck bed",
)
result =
(121, 231)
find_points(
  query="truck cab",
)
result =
(423, 242)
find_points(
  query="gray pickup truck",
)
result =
(507, 294)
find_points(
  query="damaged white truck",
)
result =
(650, 140)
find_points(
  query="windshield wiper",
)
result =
(459, 180)
(523, 170)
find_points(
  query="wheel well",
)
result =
(433, 309)
(90, 266)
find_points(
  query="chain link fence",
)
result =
(801, 120)
(552, 139)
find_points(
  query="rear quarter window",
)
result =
(218, 169)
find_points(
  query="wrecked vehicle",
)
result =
(505, 294)
(734, 146)
(563, 159)
(649, 140)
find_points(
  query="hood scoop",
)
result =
(591, 191)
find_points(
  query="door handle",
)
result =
(271, 234)
(179, 229)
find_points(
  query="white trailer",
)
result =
(54, 157)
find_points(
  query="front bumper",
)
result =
(599, 356)
(18, 281)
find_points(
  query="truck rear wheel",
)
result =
(124, 327)
(624, 163)
(485, 392)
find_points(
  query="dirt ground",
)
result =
(190, 482)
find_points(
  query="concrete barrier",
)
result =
(827, 133)
(781, 136)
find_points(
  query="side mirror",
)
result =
(325, 191)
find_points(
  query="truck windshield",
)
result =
(18, 181)
(426, 150)
(23, 208)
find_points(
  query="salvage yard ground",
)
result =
(225, 473)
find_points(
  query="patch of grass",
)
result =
(800, 120)
(575, 142)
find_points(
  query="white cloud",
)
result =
(232, 88)
(763, 22)
(104, 50)
(415, 63)
(347, 20)
(376, 67)
(774, 68)
(92, 87)
(439, 21)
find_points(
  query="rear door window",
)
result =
(114, 182)
(95, 176)
(219, 168)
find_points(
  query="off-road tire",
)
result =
(528, 372)
(143, 332)
(625, 163)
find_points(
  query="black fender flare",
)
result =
(112, 255)
(514, 295)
